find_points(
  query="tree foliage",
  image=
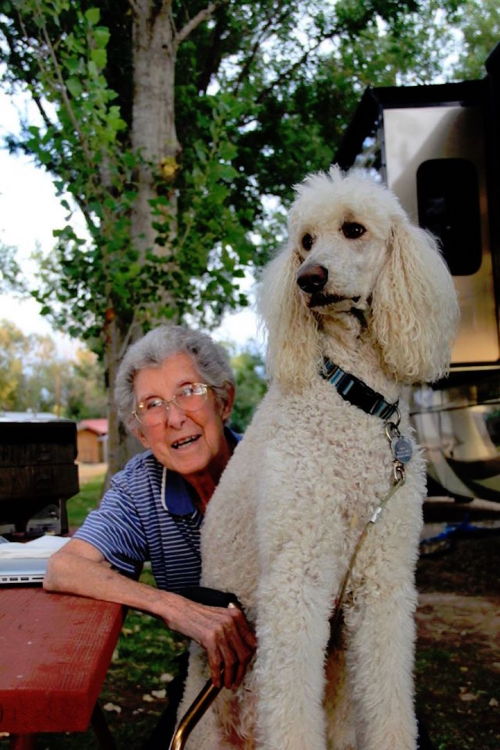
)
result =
(10, 276)
(479, 21)
(251, 385)
(178, 128)
(13, 349)
(33, 377)
(262, 91)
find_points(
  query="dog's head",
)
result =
(352, 249)
(338, 231)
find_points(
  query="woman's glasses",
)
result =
(190, 397)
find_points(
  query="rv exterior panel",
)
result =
(427, 151)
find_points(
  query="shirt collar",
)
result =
(178, 499)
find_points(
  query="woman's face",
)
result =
(189, 443)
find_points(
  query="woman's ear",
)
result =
(227, 400)
(139, 434)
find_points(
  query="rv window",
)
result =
(448, 206)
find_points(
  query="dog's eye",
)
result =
(352, 230)
(307, 241)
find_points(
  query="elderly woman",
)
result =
(174, 391)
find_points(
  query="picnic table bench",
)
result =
(55, 650)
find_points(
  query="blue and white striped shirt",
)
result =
(131, 524)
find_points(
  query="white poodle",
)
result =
(360, 288)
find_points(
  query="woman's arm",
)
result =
(80, 568)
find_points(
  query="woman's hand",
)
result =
(224, 633)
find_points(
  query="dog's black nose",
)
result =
(312, 279)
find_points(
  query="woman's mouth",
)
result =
(182, 442)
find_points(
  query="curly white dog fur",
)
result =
(359, 284)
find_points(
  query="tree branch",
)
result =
(246, 67)
(82, 205)
(25, 77)
(196, 20)
(297, 64)
(43, 114)
(135, 6)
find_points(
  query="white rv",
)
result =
(438, 148)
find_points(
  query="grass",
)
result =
(87, 499)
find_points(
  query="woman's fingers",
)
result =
(216, 666)
(230, 644)
(243, 643)
(235, 656)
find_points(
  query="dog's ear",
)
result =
(415, 309)
(292, 333)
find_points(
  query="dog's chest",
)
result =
(325, 432)
(322, 458)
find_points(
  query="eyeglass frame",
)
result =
(167, 401)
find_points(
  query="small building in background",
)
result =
(92, 440)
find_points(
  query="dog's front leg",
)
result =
(292, 631)
(381, 638)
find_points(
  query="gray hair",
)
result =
(160, 343)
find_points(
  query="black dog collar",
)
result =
(359, 394)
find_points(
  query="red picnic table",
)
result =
(55, 650)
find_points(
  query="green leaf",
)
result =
(72, 64)
(99, 57)
(228, 151)
(93, 15)
(101, 36)
(227, 172)
(74, 87)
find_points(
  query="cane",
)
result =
(209, 692)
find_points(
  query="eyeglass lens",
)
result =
(191, 398)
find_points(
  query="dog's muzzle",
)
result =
(312, 281)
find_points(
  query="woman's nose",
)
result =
(175, 415)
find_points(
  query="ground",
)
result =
(458, 648)
(87, 472)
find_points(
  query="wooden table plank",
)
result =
(55, 650)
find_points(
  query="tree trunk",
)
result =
(154, 139)
(121, 445)
(154, 135)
